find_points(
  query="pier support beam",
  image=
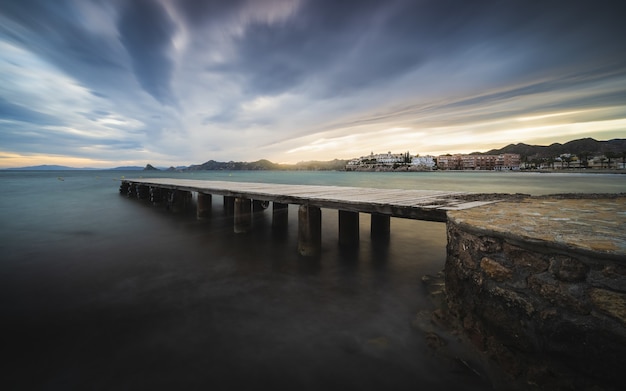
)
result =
(143, 192)
(348, 228)
(178, 200)
(280, 215)
(259, 206)
(309, 230)
(380, 228)
(243, 215)
(229, 205)
(156, 195)
(203, 205)
(124, 186)
(132, 191)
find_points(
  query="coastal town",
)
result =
(484, 162)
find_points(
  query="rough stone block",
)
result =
(513, 300)
(489, 244)
(527, 260)
(494, 270)
(611, 303)
(568, 269)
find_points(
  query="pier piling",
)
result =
(348, 228)
(309, 230)
(132, 190)
(156, 195)
(178, 200)
(143, 192)
(229, 205)
(380, 227)
(259, 206)
(204, 205)
(124, 188)
(280, 216)
(243, 215)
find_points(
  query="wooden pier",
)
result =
(241, 198)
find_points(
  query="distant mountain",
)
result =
(215, 165)
(315, 165)
(268, 165)
(150, 167)
(50, 167)
(576, 147)
(127, 168)
(172, 168)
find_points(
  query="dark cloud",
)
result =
(98, 94)
(352, 45)
(199, 12)
(24, 137)
(52, 30)
(275, 57)
(13, 112)
(146, 32)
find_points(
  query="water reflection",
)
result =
(99, 291)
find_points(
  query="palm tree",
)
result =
(610, 155)
(567, 159)
(550, 161)
(407, 157)
(584, 158)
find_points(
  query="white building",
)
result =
(388, 158)
(423, 161)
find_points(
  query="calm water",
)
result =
(101, 292)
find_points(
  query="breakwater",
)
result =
(539, 287)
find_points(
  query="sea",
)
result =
(102, 292)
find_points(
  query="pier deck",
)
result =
(430, 205)
(241, 197)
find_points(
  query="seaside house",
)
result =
(427, 162)
(502, 162)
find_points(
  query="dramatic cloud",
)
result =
(146, 32)
(122, 82)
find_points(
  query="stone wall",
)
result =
(552, 316)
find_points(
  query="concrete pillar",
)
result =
(243, 215)
(132, 191)
(259, 206)
(348, 228)
(156, 195)
(229, 205)
(124, 188)
(203, 205)
(170, 199)
(380, 226)
(143, 192)
(280, 215)
(186, 198)
(309, 230)
(178, 200)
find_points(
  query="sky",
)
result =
(107, 83)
